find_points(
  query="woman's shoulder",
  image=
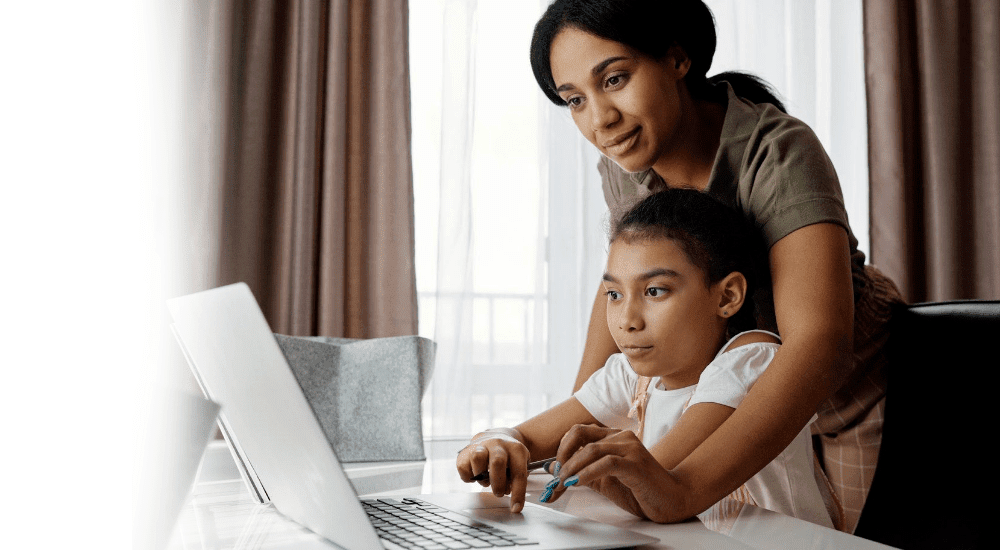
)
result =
(761, 147)
(773, 167)
(765, 126)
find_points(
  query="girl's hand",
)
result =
(617, 465)
(502, 453)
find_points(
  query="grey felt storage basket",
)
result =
(365, 393)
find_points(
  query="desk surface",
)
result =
(221, 514)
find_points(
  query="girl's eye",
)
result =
(656, 292)
(614, 295)
(574, 102)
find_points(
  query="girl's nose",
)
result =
(630, 319)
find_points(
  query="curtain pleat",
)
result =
(317, 201)
(932, 70)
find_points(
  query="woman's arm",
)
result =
(814, 307)
(600, 345)
(692, 428)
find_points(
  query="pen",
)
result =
(543, 464)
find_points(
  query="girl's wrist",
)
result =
(509, 434)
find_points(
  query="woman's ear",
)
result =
(678, 60)
(732, 293)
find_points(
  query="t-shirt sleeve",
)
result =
(728, 378)
(788, 181)
(607, 395)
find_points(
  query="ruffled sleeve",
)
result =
(728, 378)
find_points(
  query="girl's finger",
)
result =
(518, 483)
(464, 464)
(498, 461)
(479, 461)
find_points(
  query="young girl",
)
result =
(679, 286)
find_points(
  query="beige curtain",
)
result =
(933, 81)
(315, 188)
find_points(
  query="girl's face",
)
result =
(625, 103)
(662, 314)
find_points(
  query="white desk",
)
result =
(221, 514)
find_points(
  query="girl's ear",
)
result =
(732, 293)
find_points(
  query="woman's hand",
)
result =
(502, 454)
(616, 464)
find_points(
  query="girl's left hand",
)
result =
(616, 464)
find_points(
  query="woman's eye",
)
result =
(615, 80)
(614, 295)
(574, 102)
(655, 292)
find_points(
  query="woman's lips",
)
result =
(619, 145)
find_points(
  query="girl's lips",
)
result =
(621, 144)
(634, 351)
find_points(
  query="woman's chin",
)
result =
(630, 163)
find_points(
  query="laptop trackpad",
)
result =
(529, 513)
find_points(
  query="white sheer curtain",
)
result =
(480, 194)
(511, 219)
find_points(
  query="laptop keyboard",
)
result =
(413, 523)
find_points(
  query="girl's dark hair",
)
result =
(716, 239)
(650, 27)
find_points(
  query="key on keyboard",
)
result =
(413, 523)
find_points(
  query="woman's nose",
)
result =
(603, 113)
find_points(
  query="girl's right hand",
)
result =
(502, 453)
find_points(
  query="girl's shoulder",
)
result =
(751, 337)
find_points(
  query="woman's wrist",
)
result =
(686, 498)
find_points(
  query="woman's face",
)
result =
(625, 103)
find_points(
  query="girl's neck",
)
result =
(691, 378)
(689, 162)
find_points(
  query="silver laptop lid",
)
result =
(242, 368)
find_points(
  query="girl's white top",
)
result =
(787, 484)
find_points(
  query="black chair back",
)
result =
(934, 479)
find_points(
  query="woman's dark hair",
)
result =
(716, 239)
(650, 27)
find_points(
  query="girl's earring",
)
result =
(725, 313)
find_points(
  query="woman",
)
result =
(633, 74)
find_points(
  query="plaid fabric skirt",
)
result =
(848, 432)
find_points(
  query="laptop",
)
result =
(287, 460)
